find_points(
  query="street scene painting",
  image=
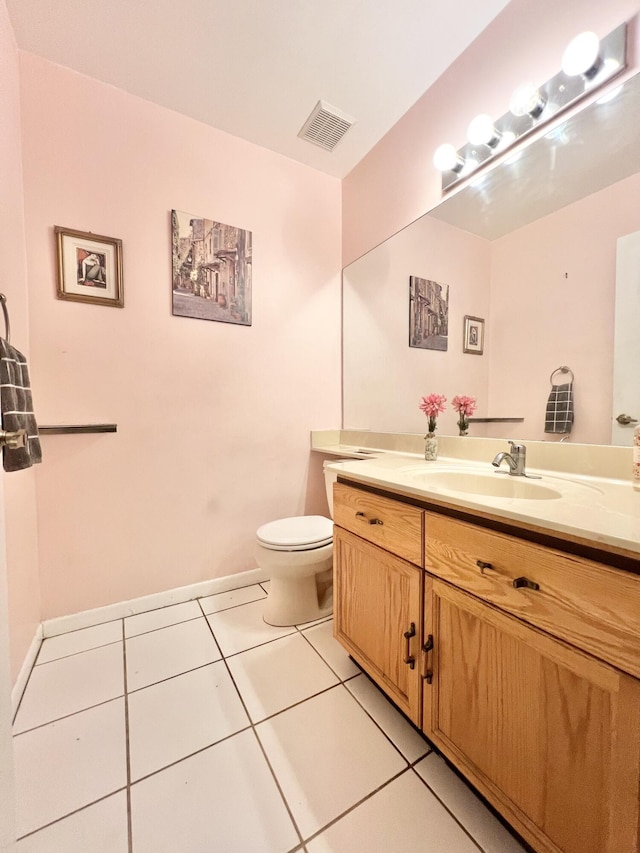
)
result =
(428, 314)
(211, 269)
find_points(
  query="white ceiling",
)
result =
(256, 68)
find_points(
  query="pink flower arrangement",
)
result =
(432, 406)
(464, 406)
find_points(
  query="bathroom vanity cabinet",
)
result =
(520, 661)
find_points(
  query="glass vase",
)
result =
(463, 426)
(430, 447)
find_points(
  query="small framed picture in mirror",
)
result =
(473, 337)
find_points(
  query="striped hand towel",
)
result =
(559, 414)
(17, 408)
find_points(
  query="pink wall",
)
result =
(563, 312)
(19, 486)
(396, 182)
(213, 419)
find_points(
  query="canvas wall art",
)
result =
(428, 314)
(211, 269)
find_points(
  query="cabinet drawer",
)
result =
(393, 525)
(583, 602)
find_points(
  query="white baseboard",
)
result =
(25, 669)
(88, 618)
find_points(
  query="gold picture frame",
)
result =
(89, 267)
(473, 337)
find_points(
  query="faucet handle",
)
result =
(517, 448)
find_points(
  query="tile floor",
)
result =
(197, 728)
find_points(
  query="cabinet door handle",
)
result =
(408, 657)
(428, 647)
(363, 517)
(519, 583)
(482, 565)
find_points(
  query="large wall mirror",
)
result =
(534, 247)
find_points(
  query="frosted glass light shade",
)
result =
(446, 158)
(481, 131)
(582, 55)
(527, 100)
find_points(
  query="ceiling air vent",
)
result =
(326, 126)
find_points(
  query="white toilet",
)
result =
(297, 554)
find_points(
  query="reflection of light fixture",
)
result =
(582, 56)
(482, 131)
(589, 61)
(447, 159)
(610, 95)
(527, 100)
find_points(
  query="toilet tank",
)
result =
(330, 478)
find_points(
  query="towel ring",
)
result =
(562, 369)
(7, 326)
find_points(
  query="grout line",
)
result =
(75, 654)
(359, 803)
(70, 814)
(255, 734)
(127, 743)
(71, 714)
(447, 809)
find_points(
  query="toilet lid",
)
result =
(312, 531)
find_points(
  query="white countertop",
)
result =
(598, 510)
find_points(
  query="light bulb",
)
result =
(527, 100)
(481, 131)
(447, 159)
(582, 56)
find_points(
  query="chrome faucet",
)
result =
(515, 460)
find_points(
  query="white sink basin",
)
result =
(489, 485)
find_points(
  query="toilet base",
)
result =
(294, 601)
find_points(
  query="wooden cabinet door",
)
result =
(377, 600)
(550, 735)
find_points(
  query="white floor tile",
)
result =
(327, 754)
(80, 641)
(101, 828)
(69, 764)
(161, 618)
(71, 684)
(222, 799)
(390, 720)
(276, 675)
(466, 806)
(403, 816)
(225, 600)
(243, 628)
(322, 639)
(169, 651)
(175, 718)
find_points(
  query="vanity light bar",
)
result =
(587, 65)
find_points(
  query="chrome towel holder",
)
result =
(562, 369)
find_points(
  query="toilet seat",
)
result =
(299, 533)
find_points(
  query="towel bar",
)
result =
(71, 429)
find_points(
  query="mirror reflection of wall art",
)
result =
(211, 270)
(89, 267)
(473, 340)
(428, 314)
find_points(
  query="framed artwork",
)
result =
(212, 264)
(89, 267)
(428, 314)
(473, 338)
